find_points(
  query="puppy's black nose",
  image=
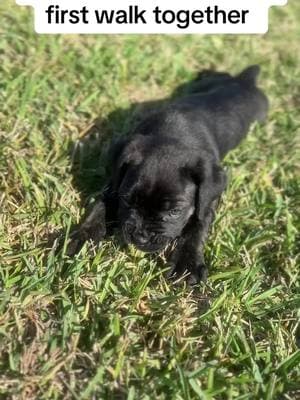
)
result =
(140, 238)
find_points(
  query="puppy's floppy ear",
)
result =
(123, 153)
(211, 181)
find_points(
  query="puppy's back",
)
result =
(215, 115)
(222, 107)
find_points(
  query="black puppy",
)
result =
(167, 178)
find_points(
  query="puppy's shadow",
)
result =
(90, 165)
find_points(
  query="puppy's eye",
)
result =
(175, 212)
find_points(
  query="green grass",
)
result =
(106, 324)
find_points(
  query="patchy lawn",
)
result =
(106, 324)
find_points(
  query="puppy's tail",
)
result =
(250, 75)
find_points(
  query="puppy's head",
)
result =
(159, 193)
(156, 199)
(152, 215)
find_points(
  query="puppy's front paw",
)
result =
(92, 228)
(197, 274)
(81, 235)
(194, 273)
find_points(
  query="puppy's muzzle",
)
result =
(146, 241)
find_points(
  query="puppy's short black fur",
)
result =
(167, 178)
